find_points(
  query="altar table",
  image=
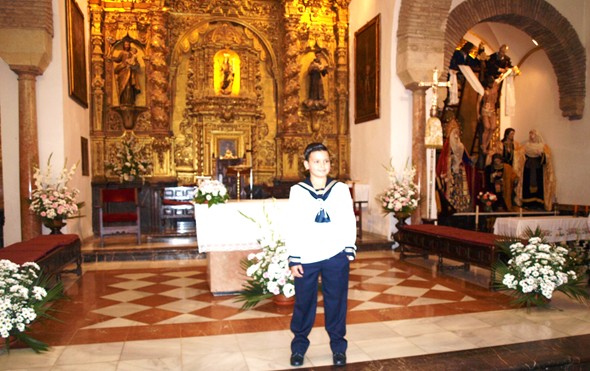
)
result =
(556, 228)
(228, 237)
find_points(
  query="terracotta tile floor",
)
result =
(160, 315)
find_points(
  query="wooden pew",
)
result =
(53, 253)
(468, 247)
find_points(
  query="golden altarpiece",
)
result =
(198, 82)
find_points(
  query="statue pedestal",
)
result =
(129, 114)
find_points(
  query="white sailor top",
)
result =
(321, 223)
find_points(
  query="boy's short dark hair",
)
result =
(313, 147)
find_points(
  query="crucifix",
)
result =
(433, 139)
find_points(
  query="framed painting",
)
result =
(78, 88)
(227, 148)
(366, 69)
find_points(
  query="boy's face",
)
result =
(318, 164)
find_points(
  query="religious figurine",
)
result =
(453, 170)
(126, 71)
(487, 112)
(534, 165)
(227, 75)
(501, 180)
(315, 95)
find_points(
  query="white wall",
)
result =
(375, 142)
(61, 122)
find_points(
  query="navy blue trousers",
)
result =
(334, 273)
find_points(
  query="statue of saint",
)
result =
(227, 75)
(533, 163)
(126, 71)
(315, 97)
(453, 170)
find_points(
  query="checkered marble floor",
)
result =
(148, 303)
(160, 315)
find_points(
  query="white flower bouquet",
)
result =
(211, 192)
(130, 161)
(268, 270)
(402, 195)
(536, 270)
(24, 299)
(52, 199)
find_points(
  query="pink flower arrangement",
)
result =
(487, 199)
(402, 195)
(51, 198)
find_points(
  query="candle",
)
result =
(251, 184)
(476, 216)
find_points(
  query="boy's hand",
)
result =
(297, 271)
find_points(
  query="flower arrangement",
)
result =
(52, 199)
(130, 161)
(211, 192)
(24, 299)
(268, 270)
(536, 270)
(487, 199)
(402, 195)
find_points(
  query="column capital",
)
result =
(21, 69)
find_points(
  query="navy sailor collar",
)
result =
(318, 193)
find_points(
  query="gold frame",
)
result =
(76, 42)
(367, 70)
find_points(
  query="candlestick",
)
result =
(251, 184)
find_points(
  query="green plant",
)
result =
(534, 271)
(25, 296)
(268, 270)
(211, 192)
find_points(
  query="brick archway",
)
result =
(542, 22)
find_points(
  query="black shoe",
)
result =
(339, 359)
(296, 359)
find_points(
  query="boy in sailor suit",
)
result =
(321, 241)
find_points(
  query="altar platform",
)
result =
(160, 247)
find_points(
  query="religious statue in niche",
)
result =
(315, 72)
(227, 75)
(127, 69)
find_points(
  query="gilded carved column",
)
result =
(28, 145)
(419, 147)
(342, 93)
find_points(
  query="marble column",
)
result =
(28, 145)
(419, 148)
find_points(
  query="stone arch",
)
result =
(542, 22)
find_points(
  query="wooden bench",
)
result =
(468, 247)
(53, 253)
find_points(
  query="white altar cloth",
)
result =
(222, 227)
(228, 237)
(556, 228)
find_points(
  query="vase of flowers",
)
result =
(52, 200)
(129, 161)
(534, 271)
(269, 275)
(211, 192)
(487, 199)
(25, 297)
(402, 195)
